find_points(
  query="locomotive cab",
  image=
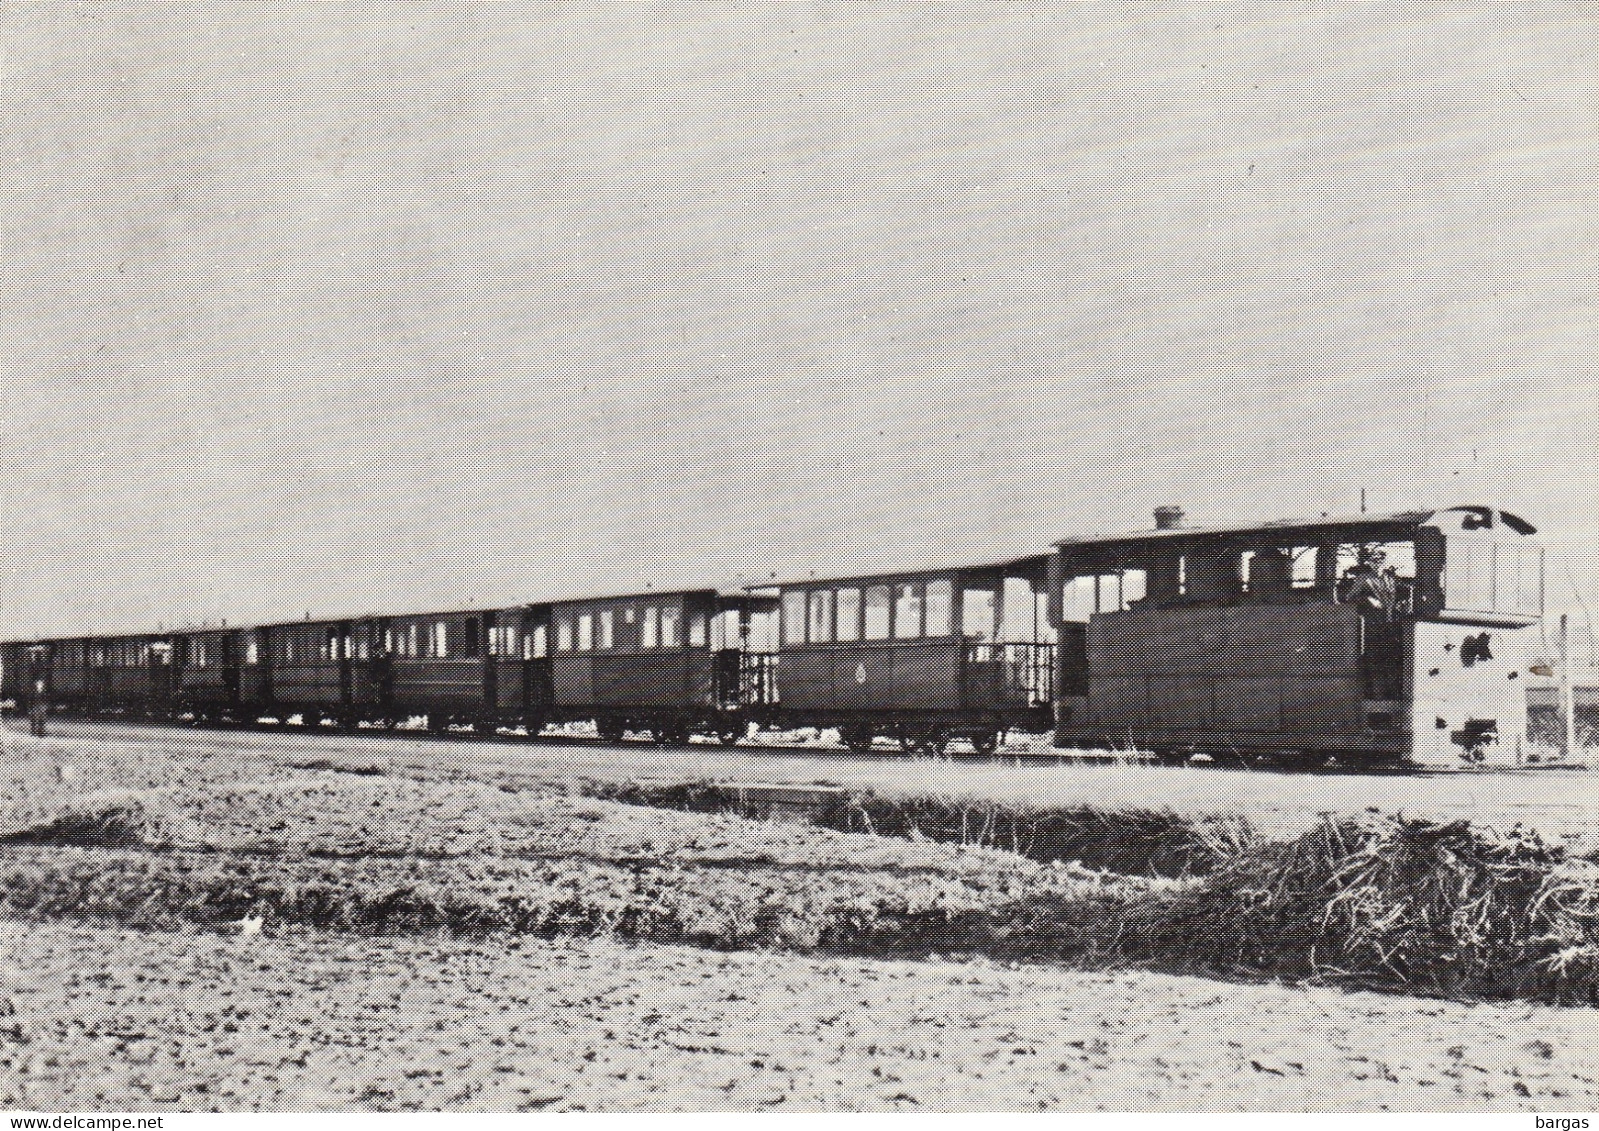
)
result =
(1369, 638)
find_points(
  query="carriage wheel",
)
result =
(857, 737)
(933, 743)
(611, 730)
(729, 734)
(987, 744)
(670, 734)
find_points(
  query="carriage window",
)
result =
(849, 614)
(669, 621)
(469, 646)
(441, 640)
(650, 630)
(725, 629)
(495, 636)
(252, 652)
(363, 649)
(585, 632)
(794, 617)
(1079, 602)
(879, 602)
(696, 630)
(908, 610)
(1018, 614)
(563, 633)
(940, 606)
(607, 628)
(540, 643)
(977, 613)
(1304, 567)
(1135, 586)
(821, 622)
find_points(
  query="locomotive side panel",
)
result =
(1277, 674)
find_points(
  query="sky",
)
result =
(335, 308)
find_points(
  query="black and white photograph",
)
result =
(799, 556)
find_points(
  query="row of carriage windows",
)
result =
(1479, 577)
(912, 610)
(905, 611)
(634, 627)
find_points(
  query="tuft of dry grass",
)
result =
(1391, 903)
(116, 826)
(1147, 842)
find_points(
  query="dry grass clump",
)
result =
(1390, 903)
(117, 826)
(1129, 842)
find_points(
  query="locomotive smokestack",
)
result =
(1168, 518)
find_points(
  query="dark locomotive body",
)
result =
(1369, 639)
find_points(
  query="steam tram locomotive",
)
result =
(1370, 638)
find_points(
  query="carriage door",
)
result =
(537, 689)
(343, 645)
(485, 633)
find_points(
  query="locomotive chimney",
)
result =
(1168, 518)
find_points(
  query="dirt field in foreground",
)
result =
(108, 1019)
(295, 1020)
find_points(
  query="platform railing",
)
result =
(1021, 673)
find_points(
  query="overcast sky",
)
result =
(382, 307)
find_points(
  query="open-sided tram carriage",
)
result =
(921, 655)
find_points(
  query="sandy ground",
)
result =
(1557, 802)
(294, 1020)
(108, 1019)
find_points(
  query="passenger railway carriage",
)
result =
(1372, 638)
(921, 655)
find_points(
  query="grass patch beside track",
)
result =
(1382, 902)
(1131, 842)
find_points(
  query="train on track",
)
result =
(1369, 639)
